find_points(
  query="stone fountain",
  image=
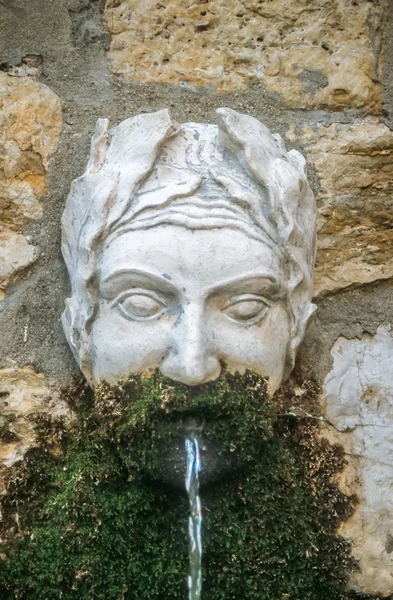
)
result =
(189, 247)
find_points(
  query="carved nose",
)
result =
(191, 360)
(192, 374)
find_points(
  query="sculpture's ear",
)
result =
(119, 160)
(291, 201)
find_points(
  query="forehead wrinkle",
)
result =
(202, 275)
(209, 223)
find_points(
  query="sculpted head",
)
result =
(188, 247)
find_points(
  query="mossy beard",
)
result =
(98, 522)
(146, 420)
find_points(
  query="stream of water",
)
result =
(195, 520)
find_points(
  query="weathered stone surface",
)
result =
(15, 254)
(354, 163)
(315, 54)
(23, 394)
(358, 403)
(30, 66)
(30, 124)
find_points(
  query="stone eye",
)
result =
(246, 309)
(139, 306)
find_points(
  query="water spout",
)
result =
(194, 467)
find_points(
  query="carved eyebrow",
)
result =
(252, 283)
(124, 279)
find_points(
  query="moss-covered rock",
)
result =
(95, 521)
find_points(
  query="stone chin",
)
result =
(188, 247)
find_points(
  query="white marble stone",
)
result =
(358, 403)
(188, 246)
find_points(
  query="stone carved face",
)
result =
(188, 247)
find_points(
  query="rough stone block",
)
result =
(315, 54)
(30, 125)
(15, 255)
(358, 404)
(354, 163)
(24, 393)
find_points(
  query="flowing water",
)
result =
(195, 520)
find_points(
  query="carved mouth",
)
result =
(216, 462)
(193, 422)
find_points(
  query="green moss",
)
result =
(97, 524)
(6, 434)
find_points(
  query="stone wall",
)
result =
(320, 73)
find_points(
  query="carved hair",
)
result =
(242, 177)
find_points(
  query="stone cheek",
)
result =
(358, 405)
(354, 163)
(30, 124)
(24, 394)
(325, 56)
